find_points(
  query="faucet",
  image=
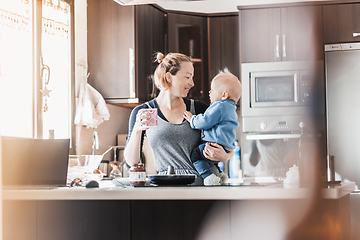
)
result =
(95, 142)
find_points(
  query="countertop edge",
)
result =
(178, 193)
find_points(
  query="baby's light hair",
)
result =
(230, 83)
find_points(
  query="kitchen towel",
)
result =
(91, 109)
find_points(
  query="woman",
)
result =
(173, 139)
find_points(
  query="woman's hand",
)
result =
(141, 121)
(216, 152)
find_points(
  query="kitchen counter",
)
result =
(108, 192)
(116, 212)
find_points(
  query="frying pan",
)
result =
(172, 179)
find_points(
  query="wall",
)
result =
(108, 130)
(118, 122)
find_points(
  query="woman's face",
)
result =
(182, 81)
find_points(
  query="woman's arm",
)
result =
(216, 152)
(135, 137)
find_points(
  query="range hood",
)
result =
(136, 2)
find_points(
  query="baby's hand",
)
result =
(188, 115)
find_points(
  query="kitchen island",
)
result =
(117, 212)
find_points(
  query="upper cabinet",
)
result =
(224, 44)
(121, 44)
(150, 39)
(281, 34)
(111, 43)
(188, 34)
(341, 23)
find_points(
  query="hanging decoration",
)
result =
(45, 76)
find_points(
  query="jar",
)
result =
(137, 175)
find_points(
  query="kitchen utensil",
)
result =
(171, 178)
(104, 167)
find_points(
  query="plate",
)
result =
(172, 179)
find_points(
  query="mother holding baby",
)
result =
(173, 140)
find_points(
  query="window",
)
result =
(35, 68)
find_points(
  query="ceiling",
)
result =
(207, 6)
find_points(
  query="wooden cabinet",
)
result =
(188, 34)
(171, 219)
(281, 34)
(341, 23)
(69, 219)
(150, 39)
(224, 44)
(111, 43)
(121, 42)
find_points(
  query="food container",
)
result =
(104, 167)
(137, 175)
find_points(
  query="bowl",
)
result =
(90, 162)
(86, 164)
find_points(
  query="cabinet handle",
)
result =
(356, 34)
(284, 45)
(277, 46)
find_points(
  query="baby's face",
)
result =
(215, 92)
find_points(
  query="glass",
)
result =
(55, 49)
(16, 69)
(274, 89)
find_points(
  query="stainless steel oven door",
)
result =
(269, 155)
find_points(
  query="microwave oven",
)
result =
(285, 94)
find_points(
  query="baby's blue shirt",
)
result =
(219, 123)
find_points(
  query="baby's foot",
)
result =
(212, 180)
(223, 177)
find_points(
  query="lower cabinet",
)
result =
(176, 219)
(66, 220)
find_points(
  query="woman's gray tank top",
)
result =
(172, 145)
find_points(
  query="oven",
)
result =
(281, 101)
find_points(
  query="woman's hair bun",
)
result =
(159, 57)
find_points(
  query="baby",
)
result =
(218, 123)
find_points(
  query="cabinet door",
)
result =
(19, 220)
(301, 33)
(111, 48)
(83, 219)
(150, 34)
(224, 44)
(188, 34)
(341, 23)
(260, 35)
(174, 219)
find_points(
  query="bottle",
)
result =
(137, 175)
(235, 162)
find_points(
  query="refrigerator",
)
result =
(342, 74)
